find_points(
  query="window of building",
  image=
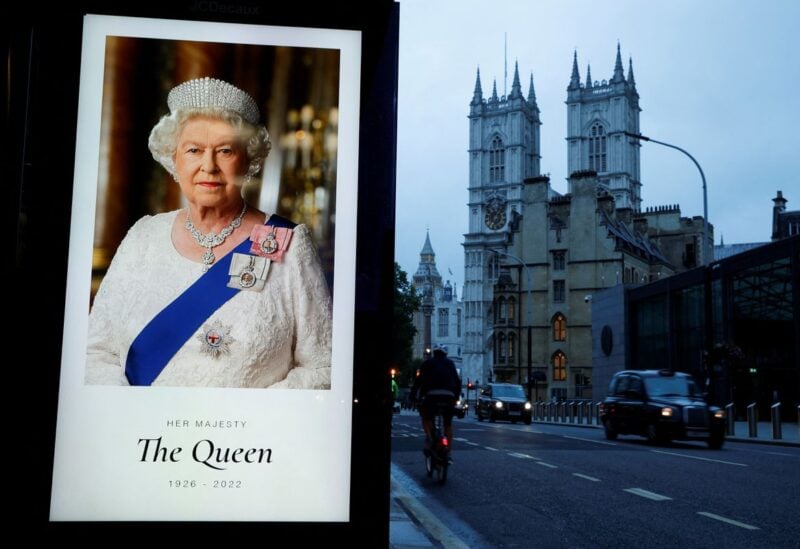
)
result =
(511, 307)
(559, 260)
(458, 322)
(444, 320)
(493, 267)
(559, 366)
(794, 228)
(501, 348)
(512, 341)
(559, 291)
(500, 310)
(497, 160)
(559, 327)
(597, 148)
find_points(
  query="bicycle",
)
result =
(437, 458)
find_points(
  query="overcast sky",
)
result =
(719, 78)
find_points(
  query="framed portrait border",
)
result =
(44, 57)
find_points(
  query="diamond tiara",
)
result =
(210, 92)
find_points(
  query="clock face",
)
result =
(495, 217)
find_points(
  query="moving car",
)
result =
(661, 405)
(503, 401)
(461, 407)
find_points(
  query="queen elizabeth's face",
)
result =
(209, 163)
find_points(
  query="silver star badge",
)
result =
(216, 339)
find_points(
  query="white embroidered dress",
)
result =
(281, 335)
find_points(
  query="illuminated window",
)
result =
(559, 366)
(497, 160)
(559, 328)
(511, 309)
(511, 345)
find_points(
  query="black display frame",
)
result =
(42, 65)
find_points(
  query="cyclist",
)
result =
(437, 385)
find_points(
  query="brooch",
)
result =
(216, 339)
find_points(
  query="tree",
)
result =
(406, 303)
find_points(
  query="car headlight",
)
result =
(458, 403)
(719, 414)
(667, 412)
(498, 405)
(527, 405)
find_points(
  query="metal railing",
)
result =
(587, 412)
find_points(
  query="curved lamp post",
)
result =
(702, 176)
(528, 310)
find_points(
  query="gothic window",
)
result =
(559, 327)
(501, 348)
(493, 267)
(500, 310)
(597, 148)
(497, 160)
(511, 309)
(511, 344)
(559, 291)
(559, 260)
(559, 366)
(458, 322)
(444, 319)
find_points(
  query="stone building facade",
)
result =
(533, 257)
(441, 319)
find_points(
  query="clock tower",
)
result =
(504, 150)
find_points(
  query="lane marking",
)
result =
(543, 464)
(490, 449)
(729, 521)
(646, 494)
(590, 440)
(521, 456)
(471, 443)
(779, 454)
(700, 458)
(587, 477)
(471, 430)
(460, 439)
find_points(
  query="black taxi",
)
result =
(661, 405)
(503, 401)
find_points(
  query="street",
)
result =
(558, 486)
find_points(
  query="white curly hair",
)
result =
(163, 140)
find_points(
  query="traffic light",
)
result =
(393, 372)
(470, 385)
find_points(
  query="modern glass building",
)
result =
(734, 325)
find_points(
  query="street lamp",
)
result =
(702, 176)
(528, 310)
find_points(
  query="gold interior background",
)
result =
(297, 91)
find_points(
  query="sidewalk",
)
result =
(410, 525)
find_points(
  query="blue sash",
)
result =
(169, 330)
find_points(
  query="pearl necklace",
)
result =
(212, 239)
